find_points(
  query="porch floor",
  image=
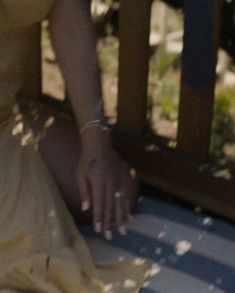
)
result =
(192, 252)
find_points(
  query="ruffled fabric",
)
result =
(40, 247)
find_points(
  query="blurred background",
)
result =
(165, 69)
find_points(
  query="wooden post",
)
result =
(201, 34)
(133, 65)
(33, 82)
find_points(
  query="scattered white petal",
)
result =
(155, 270)
(18, 128)
(182, 247)
(27, 138)
(108, 287)
(49, 122)
(146, 284)
(161, 235)
(129, 283)
(121, 258)
(139, 261)
(225, 173)
(172, 144)
(207, 221)
(133, 173)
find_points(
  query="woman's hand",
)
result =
(106, 184)
(101, 172)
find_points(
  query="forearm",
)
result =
(74, 41)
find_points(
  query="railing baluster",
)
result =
(133, 65)
(198, 77)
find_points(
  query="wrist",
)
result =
(95, 138)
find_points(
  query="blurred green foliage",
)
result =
(167, 97)
(165, 61)
(162, 73)
(163, 69)
(224, 121)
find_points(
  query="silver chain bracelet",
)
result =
(94, 123)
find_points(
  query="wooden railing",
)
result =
(184, 171)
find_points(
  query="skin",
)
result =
(97, 169)
(61, 140)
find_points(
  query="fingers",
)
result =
(98, 185)
(116, 207)
(120, 214)
(122, 202)
(108, 211)
(98, 204)
(84, 192)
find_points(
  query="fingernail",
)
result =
(108, 235)
(85, 205)
(123, 230)
(98, 227)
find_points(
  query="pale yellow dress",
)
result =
(40, 247)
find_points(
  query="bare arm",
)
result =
(74, 41)
(101, 171)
